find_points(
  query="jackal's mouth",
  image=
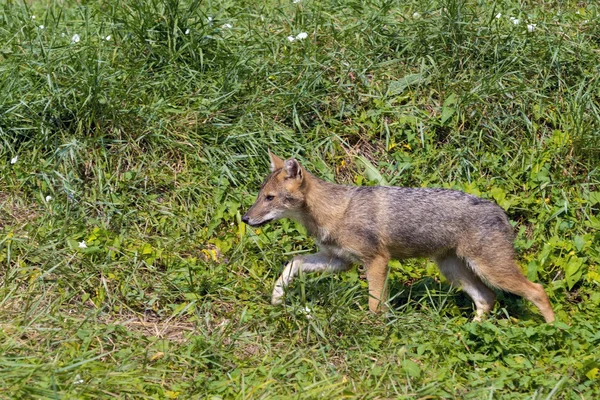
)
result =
(256, 225)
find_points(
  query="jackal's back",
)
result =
(423, 222)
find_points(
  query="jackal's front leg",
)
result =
(377, 272)
(320, 261)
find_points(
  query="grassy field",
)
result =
(133, 136)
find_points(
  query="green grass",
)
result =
(150, 134)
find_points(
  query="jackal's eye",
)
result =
(269, 197)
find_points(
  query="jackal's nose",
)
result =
(245, 219)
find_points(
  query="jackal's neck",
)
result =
(325, 205)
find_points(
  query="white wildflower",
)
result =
(498, 15)
(577, 12)
(531, 27)
(296, 1)
(41, 26)
(82, 245)
(14, 160)
(209, 20)
(301, 36)
(187, 31)
(307, 312)
(48, 198)
(291, 38)
(33, 17)
(75, 38)
(514, 20)
(226, 26)
(416, 15)
(107, 38)
(77, 380)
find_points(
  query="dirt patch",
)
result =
(15, 211)
(173, 330)
(347, 167)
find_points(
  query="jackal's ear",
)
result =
(292, 169)
(276, 162)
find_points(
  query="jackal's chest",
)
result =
(340, 252)
(333, 245)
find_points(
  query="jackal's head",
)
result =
(281, 194)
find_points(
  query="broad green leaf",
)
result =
(573, 270)
(447, 113)
(532, 270)
(371, 171)
(448, 108)
(412, 368)
(579, 242)
(498, 194)
(147, 249)
(397, 87)
(594, 197)
(593, 276)
(451, 100)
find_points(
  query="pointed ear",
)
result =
(276, 162)
(292, 169)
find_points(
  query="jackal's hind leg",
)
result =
(460, 274)
(317, 262)
(504, 274)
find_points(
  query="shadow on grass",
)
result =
(429, 294)
(426, 295)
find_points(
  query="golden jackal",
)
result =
(470, 239)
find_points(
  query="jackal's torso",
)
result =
(355, 223)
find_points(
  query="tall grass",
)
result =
(133, 136)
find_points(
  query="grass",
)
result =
(146, 140)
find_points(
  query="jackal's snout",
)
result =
(255, 222)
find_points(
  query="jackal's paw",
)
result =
(480, 317)
(277, 297)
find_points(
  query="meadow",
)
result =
(134, 135)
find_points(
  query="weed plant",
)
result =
(133, 136)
